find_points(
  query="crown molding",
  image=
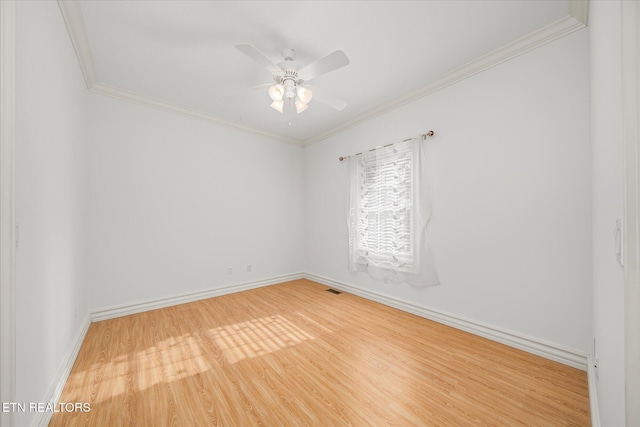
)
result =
(579, 10)
(576, 20)
(553, 31)
(75, 26)
(159, 104)
(72, 15)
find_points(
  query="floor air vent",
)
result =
(333, 291)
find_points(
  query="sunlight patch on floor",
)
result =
(183, 356)
(257, 337)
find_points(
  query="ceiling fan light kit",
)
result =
(288, 90)
(276, 92)
(300, 106)
(304, 95)
(278, 106)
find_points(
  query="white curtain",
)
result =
(389, 209)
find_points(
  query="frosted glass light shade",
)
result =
(300, 106)
(276, 92)
(304, 95)
(278, 105)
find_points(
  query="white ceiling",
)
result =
(181, 53)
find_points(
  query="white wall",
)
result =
(510, 166)
(51, 280)
(608, 184)
(175, 201)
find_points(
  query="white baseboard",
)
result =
(53, 395)
(125, 310)
(550, 351)
(593, 392)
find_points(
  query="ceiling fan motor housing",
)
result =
(290, 81)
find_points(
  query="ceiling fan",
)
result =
(288, 91)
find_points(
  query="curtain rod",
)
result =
(423, 136)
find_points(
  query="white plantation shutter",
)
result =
(388, 213)
(384, 224)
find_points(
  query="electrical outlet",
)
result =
(249, 268)
(229, 270)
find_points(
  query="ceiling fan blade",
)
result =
(328, 100)
(262, 88)
(259, 57)
(323, 65)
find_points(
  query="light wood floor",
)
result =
(295, 355)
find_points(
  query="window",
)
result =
(388, 211)
(384, 218)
